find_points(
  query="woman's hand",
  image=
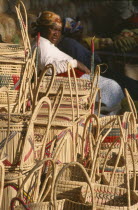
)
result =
(87, 71)
(82, 67)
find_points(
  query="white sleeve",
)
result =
(49, 54)
(61, 66)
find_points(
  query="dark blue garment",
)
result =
(77, 51)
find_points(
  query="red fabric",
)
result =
(77, 72)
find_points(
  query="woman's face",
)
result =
(54, 34)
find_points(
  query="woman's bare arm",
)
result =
(82, 67)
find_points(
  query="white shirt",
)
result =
(48, 53)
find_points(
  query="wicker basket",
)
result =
(73, 113)
(60, 147)
(121, 173)
(113, 136)
(10, 75)
(20, 145)
(12, 53)
(126, 178)
(90, 154)
(12, 133)
(15, 141)
(43, 124)
(57, 121)
(17, 64)
(60, 205)
(62, 143)
(68, 137)
(17, 78)
(41, 179)
(84, 86)
(20, 155)
(39, 206)
(13, 62)
(66, 188)
(109, 197)
(104, 124)
(123, 159)
(120, 180)
(9, 49)
(94, 152)
(28, 184)
(12, 183)
(71, 106)
(85, 104)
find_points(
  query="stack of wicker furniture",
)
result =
(72, 101)
(17, 67)
(55, 153)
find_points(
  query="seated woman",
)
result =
(49, 26)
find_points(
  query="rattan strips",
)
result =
(12, 53)
(20, 8)
(10, 47)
